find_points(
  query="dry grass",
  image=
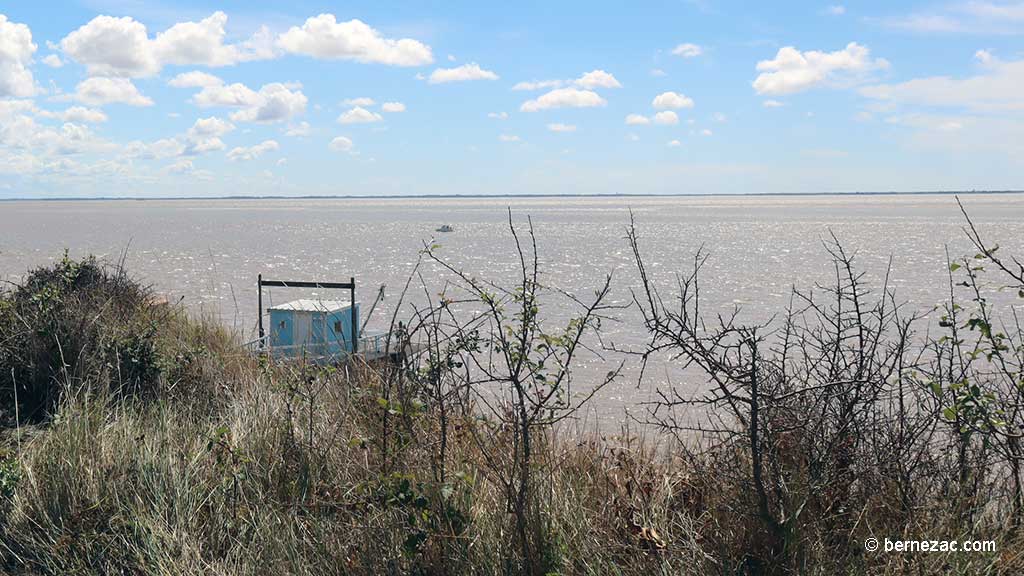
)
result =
(236, 465)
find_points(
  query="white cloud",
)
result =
(666, 118)
(537, 85)
(202, 43)
(252, 152)
(836, 10)
(998, 88)
(277, 102)
(597, 79)
(471, 71)
(363, 101)
(211, 126)
(121, 47)
(706, 132)
(181, 166)
(564, 98)
(81, 114)
(203, 145)
(341, 144)
(984, 57)
(793, 71)
(719, 117)
(110, 46)
(298, 130)
(359, 115)
(53, 61)
(509, 138)
(231, 95)
(324, 37)
(688, 50)
(658, 73)
(274, 102)
(100, 91)
(393, 107)
(671, 101)
(674, 144)
(637, 119)
(498, 115)
(559, 127)
(163, 148)
(194, 79)
(16, 50)
(772, 104)
(964, 17)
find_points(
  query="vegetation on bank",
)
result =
(140, 439)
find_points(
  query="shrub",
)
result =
(73, 322)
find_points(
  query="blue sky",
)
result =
(140, 98)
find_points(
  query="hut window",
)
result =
(281, 324)
(337, 326)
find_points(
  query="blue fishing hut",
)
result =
(313, 328)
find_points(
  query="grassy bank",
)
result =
(140, 439)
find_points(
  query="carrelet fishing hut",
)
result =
(314, 329)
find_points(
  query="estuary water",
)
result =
(208, 252)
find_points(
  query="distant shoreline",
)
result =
(497, 196)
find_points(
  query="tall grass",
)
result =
(211, 461)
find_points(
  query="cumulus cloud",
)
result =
(509, 138)
(559, 127)
(110, 46)
(100, 91)
(564, 98)
(324, 37)
(211, 126)
(298, 130)
(963, 17)
(274, 102)
(341, 144)
(687, 50)
(252, 152)
(121, 47)
(597, 79)
(189, 43)
(835, 10)
(794, 71)
(194, 79)
(16, 50)
(637, 120)
(393, 107)
(471, 71)
(671, 101)
(53, 61)
(666, 118)
(363, 101)
(998, 88)
(230, 95)
(81, 114)
(674, 143)
(531, 85)
(498, 115)
(359, 115)
(772, 104)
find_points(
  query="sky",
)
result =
(142, 98)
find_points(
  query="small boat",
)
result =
(445, 228)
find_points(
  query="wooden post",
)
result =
(259, 306)
(355, 317)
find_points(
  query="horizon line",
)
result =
(527, 195)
